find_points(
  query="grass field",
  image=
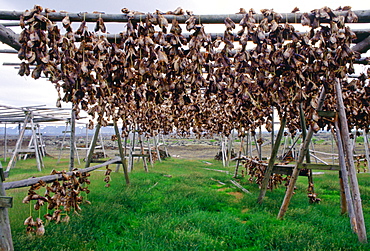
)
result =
(189, 211)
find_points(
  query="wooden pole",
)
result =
(363, 17)
(257, 147)
(229, 147)
(121, 153)
(344, 176)
(5, 142)
(239, 156)
(302, 155)
(64, 138)
(357, 204)
(272, 159)
(272, 131)
(18, 144)
(6, 242)
(165, 146)
(73, 141)
(222, 151)
(92, 145)
(142, 152)
(87, 141)
(150, 153)
(157, 149)
(40, 164)
(50, 178)
(367, 157)
(101, 139)
(308, 159)
(131, 166)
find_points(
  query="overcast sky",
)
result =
(22, 91)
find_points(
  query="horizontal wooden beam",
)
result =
(51, 178)
(363, 17)
(328, 114)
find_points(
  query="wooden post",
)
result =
(272, 159)
(239, 156)
(64, 138)
(92, 145)
(150, 153)
(87, 141)
(142, 152)
(222, 151)
(230, 140)
(40, 164)
(366, 143)
(357, 204)
(165, 146)
(121, 153)
(257, 147)
(18, 144)
(302, 154)
(332, 148)
(246, 153)
(272, 131)
(344, 177)
(132, 150)
(72, 144)
(101, 139)
(308, 159)
(5, 142)
(6, 242)
(157, 149)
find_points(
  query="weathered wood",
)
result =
(328, 114)
(150, 188)
(72, 141)
(348, 150)
(18, 144)
(366, 144)
(363, 17)
(271, 163)
(142, 152)
(292, 149)
(362, 46)
(157, 148)
(344, 175)
(239, 186)
(92, 145)
(51, 178)
(308, 159)
(239, 156)
(165, 146)
(62, 144)
(6, 242)
(343, 201)
(5, 143)
(302, 155)
(39, 161)
(318, 159)
(150, 154)
(216, 170)
(121, 153)
(6, 202)
(219, 182)
(9, 37)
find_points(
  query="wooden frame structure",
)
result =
(341, 128)
(28, 118)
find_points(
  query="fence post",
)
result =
(6, 242)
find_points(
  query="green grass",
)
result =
(189, 211)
